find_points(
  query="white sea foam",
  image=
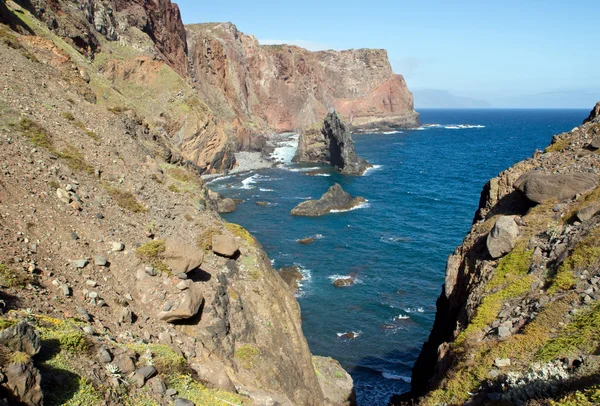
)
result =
(306, 278)
(396, 377)
(414, 310)
(335, 277)
(322, 174)
(364, 205)
(356, 333)
(449, 126)
(265, 190)
(249, 182)
(373, 168)
(401, 317)
(392, 240)
(392, 132)
(286, 150)
(305, 169)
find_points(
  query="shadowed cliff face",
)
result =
(286, 87)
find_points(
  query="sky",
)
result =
(491, 50)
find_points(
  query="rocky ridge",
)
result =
(112, 251)
(334, 199)
(517, 319)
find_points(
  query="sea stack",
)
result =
(334, 199)
(331, 143)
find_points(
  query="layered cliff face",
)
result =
(111, 249)
(285, 88)
(517, 320)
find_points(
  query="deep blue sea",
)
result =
(422, 196)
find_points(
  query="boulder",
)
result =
(343, 282)
(23, 380)
(21, 337)
(501, 240)
(213, 373)
(332, 144)
(225, 205)
(189, 307)
(588, 212)
(335, 382)
(334, 199)
(143, 374)
(182, 258)
(291, 275)
(595, 143)
(539, 186)
(224, 245)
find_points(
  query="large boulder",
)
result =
(539, 186)
(225, 245)
(214, 374)
(335, 382)
(291, 275)
(226, 205)
(21, 337)
(188, 308)
(501, 240)
(334, 199)
(331, 144)
(23, 380)
(182, 258)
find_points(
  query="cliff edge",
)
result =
(517, 320)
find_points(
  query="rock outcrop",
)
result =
(334, 199)
(503, 323)
(331, 144)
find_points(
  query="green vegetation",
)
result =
(92, 135)
(68, 116)
(588, 397)
(559, 145)
(11, 40)
(204, 240)
(164, 358)
(585, 254)
(10, 278)
(36, 133)
(19, 358)
(152, 249)
(190, 389)
(174, 189)
(239, 231)
(125, 200)
(582, 335)
(75, 160)
(510, 267)
(246, 355)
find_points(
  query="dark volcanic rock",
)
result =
(331, 144)
(23, 380)
(291, 275)
(594, 114)
(539, 186)
(21, 337)
(334, 199)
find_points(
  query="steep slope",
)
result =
(286, 88)
(517, 320)
(111, 248)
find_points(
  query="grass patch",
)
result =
(19, 357)
(204, 240)
(510, 267)
(585, 254)
(75, 160)
(588, 397)
(559, 145)
(9, 278)
(246, 355)
(125, 200)
(152, 249)
(181, 175)
(36, 133)
(193, 390)
(582, 335)
(174, 189)
(92, 135)
(239, 231)
(164, 358)
(67, 116)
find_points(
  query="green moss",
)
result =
(152, 249)
(75, 160)
(510, 267)
(588, 397)
(582, 335)
(19, 358)
(161, 267)
(246, 355)
(11, 278)
(165, 359)
(174, 189)
(181, 175)
(190, 389)
(125, 200)
(67, 115)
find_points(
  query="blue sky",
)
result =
(483, 49)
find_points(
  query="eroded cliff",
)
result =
(517, 320)
(135, 291)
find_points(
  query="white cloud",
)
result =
(311, 46)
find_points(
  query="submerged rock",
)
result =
(539, 186)
(307, 240)
(331, 144)
(334, 199)
(343, 282)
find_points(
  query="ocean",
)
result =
(422, 195)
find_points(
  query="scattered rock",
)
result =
(125, 316)
(183, 285)
(80, 263)
(74, 236)
(117, 246)
(23, 380)
(224, 245)
(89, 330)
(124, 363)
(215, 375)
(63, 195)
(502, 362)
(539, 186)
(343, 282)
(158, 386)
(66, 290)
(182, 258)
(143, 374)
(171, 392)
(588, 212)
(104, 356)
(189, 307)
(334, 199)
(183, 402)
(503, 332)
(501, 239)
(262, 203)
(22, 337)
(101, 261)
(595, 144)
(83, 314)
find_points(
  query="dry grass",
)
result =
(125, 200)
